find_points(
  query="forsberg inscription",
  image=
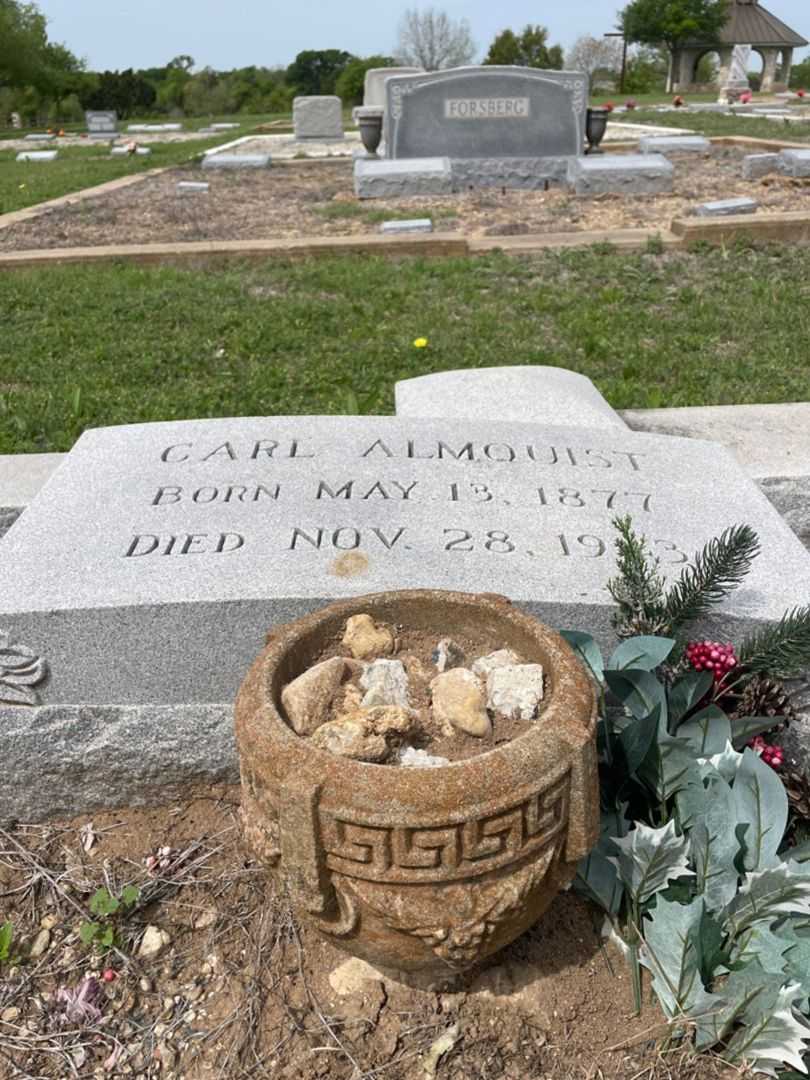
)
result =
(487, 108)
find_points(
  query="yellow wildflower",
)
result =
(420, 343)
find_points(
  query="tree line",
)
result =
(43, 81)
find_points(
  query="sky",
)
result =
(117, 34)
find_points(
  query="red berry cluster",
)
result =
(771, 755)
(711, 656)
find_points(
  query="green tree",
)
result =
(127, 92)
(23, 41)
(316, 71)
(673, 22)
(530, 48)
(800, 75)
(351, 81)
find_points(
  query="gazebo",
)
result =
(749, 23)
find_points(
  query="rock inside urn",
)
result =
(393, 696)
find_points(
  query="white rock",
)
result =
(410, 757)
(458, 703)
(306, 699)
(448, 655)
(153, 942)
(385, 683)
(485, 664)
(516, 690)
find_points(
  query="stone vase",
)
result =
(422, 872)
(370, 123)
(595, 127)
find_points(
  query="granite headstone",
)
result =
(152, 564)
(486, 112)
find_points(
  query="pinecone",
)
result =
(763, 696)
(797, 786)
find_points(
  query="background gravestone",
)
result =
(102, 122)
(486, 112)
(376, 78)
(318, 117)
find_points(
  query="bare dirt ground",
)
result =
(239, 989)
(302, 200)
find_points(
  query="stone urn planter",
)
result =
(422, 872)
(370, 122)
(595, 127)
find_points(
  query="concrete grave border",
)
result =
(790, 226)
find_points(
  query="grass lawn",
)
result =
(84, 347)
(26, 183)
(717, 124)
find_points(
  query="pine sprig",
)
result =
(713, 573)
(638, 588)
(781, 649)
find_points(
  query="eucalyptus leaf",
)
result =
(597, 874)
(747, 727)
(644, 653)
(707, 732)
(671, 951)
(687, 692)
(639, 691)
(636, 738)
(587, 650)
(669, 765)
(649, 858)
(761, 801)
(713, 848)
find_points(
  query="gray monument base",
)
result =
(795, 162)
(37, 155)
(536, 394)
(62, 760)
(415, 225)
(674, 144)
(626, 174)
(755, 166)
(521, 174)
(237, 161)
(727, 207)
(383, 179)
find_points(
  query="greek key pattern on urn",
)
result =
(448, 852)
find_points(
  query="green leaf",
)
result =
(587, 650)
(101, 903)
(669, 765)
(746, 727)
(707, 732)
(597, 875)
(106, 938)
(688, 691)
(643, 653)
(639, 691)
(671, 951)
(797, 961)
(130, 895)
(649, 858)
(762, 804)
(88, 931)
(774, 1034)
(713, 846)
(636, 738)
(6, 937)
(781, 890)
(759, 943)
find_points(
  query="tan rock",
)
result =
(389, 720)
(40, 944)
(306, 700)
(153, 942)
(458, 703)
(366, 639)
(351, 738)
(353, 976)
(9, 1015)
(48, 922)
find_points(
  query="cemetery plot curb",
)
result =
(791, 226)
